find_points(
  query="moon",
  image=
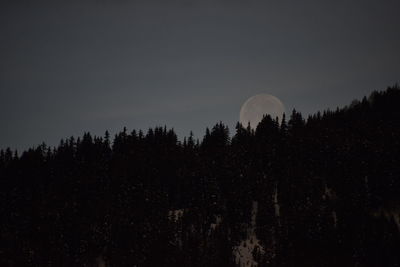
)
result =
(257, 106)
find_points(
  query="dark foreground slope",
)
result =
(318, 192)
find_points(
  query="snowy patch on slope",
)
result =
(389, 214)
(243, 253)
(175, 215)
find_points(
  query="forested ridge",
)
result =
(316, 191)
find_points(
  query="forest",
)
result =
(317, 191)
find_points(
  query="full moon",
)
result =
(256, 106)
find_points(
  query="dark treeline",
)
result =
(325, 191)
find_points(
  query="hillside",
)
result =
(316, 191)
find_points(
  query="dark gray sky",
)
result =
(70, 68)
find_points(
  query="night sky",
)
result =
(66, 68)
